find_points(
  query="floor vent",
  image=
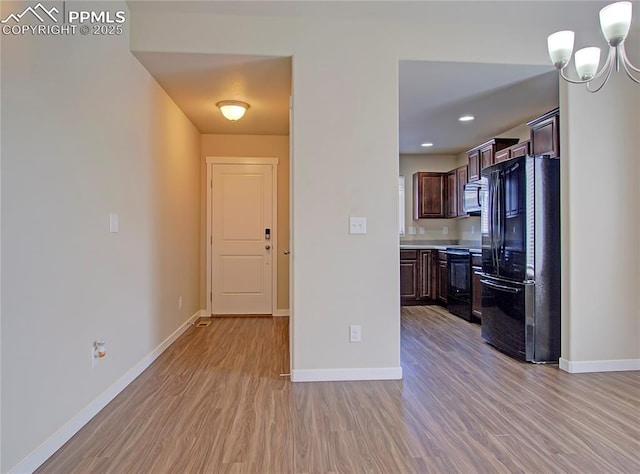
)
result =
(203, 323)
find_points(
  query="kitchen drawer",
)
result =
(476, 260)
(408, 254)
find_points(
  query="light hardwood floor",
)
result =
(214, 402)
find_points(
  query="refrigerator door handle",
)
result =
(497, 235)
(494, 218)
(503, 215)
(506, 289)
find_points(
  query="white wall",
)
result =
(432, 228)
(600, 221)
(270, 146)
(88, 132)
(344, 156)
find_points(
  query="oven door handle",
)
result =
(506, 289)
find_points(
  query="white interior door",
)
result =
(242, 248)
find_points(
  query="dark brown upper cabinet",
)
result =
(451, 204)
(428, 195)
(483, 155)
(454, 202)
(502, 155)
(545, 134)
(474, 164)
(461, 180)
(487, 156)
(520, 149)
(514, 151)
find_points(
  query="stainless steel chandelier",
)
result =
(615, 21)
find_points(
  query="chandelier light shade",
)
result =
(232, 109)
(560, 46)
(587, 61)
(615, 21)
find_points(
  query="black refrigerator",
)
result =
(520, 226)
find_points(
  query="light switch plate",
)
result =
(357, 225)
(114, 224)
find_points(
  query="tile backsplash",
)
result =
(469, 228)
(431, 229)
(466, 230)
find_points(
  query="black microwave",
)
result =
(474, 196)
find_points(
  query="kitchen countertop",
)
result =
(474, 247)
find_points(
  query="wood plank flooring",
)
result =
(214, 402)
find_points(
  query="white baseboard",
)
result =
(336, 375)
(583, 366)
(203, 313)
(64, 434)
(281, 313)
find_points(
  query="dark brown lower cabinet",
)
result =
(442, 279)
(417, 277)
(476, 287)
(408, 275)
(426, 274)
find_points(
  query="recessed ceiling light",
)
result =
(466, 118)
(426, 144)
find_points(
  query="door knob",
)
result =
(286, 252)
(268, 247)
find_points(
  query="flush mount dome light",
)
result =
(232, 109)
(426, 144)
(466, 118)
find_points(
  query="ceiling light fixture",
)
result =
(426, 144)
(466, 118)
(232, 109)
(615, 20)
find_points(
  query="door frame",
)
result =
(228, 160)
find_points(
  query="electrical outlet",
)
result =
(355, 333)
(445, 230)
(98, 352)
(412, 231)
(421, 230)
(473, 230)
